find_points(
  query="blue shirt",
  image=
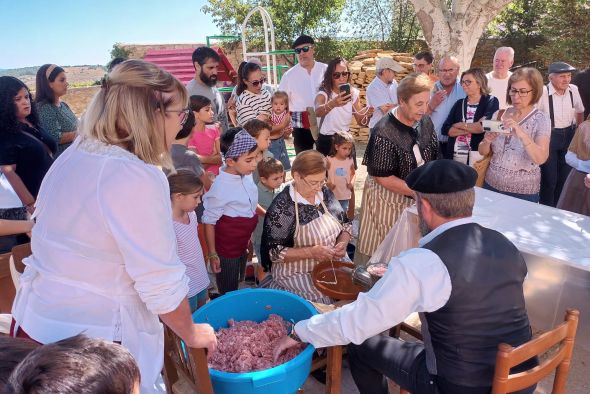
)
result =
(440, 114)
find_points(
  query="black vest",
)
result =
(486, 305)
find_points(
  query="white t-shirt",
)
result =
(339, 118)
(301, 86)
(8, 197)
(378, 94)
(499, 88)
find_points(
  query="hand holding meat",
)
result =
(282, 345)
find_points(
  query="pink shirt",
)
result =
(340, 175)
(204, 143)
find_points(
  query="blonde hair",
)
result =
(124, 112)
(281, 95)
(412, 85)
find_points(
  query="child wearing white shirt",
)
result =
(230, 208)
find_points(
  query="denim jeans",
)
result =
(555, 170)
(527, 197)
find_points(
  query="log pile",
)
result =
(362, 69)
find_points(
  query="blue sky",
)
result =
(73, 32)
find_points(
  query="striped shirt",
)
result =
(250, 105)
(191, 254)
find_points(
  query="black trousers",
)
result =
(443, 151)
(555, 170)
(404, 363)
(229, 277)
(302, 139)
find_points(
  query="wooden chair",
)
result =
(332, 361)
(508, 357)
(185, 369)
(7, 291)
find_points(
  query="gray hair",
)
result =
(508, 50)
(450, 205)
(452, 59)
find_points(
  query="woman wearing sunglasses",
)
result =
(104, 256)
(336, 103)
(253, 101)
(304, 225)
(518, 153)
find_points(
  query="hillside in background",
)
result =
(84, 75)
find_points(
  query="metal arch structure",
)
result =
(269, 43)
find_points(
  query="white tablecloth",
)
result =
(555, 244)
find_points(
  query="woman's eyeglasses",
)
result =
(466, 82)
(339, 74)
(520, 93)
(304, 49)
(182, 114)
(259, 82)
(314, 184)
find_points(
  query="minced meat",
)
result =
(247, 346)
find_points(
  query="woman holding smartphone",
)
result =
(336, 103)
(516, 156)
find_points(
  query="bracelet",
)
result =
(293, 335)
(328, 105)
(212, 256)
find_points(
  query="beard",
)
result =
(422, 225)
(209, 81)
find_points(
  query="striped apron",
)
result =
(295, 276)
(381, 208)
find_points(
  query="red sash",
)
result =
(233, 234)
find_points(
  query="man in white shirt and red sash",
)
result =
(466, 282)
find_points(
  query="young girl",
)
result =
(205, 138)
(341, 169)
(230, 209)
(280, 120)
(185, 193)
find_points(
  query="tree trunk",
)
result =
(456, 31)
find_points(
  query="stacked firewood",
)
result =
(362, 69)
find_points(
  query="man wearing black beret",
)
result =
(301, 83)
(465, 281)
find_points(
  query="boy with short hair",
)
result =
(230, 208)
(272, 175)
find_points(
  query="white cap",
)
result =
(388, 63)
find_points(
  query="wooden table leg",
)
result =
(334, 370)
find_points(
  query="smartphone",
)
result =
(494, 126)
(345, 88)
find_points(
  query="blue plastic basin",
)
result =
(257, 305)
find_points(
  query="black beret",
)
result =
(302, 39)
(442, 176)
(560, 67)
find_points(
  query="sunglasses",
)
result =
(339, 74)
(182, 114)
(259, 82)
(304, 49)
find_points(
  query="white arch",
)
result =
(269, 43)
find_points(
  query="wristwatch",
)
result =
(293, 335)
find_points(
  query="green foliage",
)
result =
(19, 72)
(566, 33)
(545, 30)
(328, 48)
(119, 51)
(290, 18)
(391, 22)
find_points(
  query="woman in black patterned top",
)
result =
(401, 141)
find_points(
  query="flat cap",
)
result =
(560, 67)
(442, 176)
(302, 39)
(384, 63)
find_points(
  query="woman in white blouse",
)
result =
(104, 259)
